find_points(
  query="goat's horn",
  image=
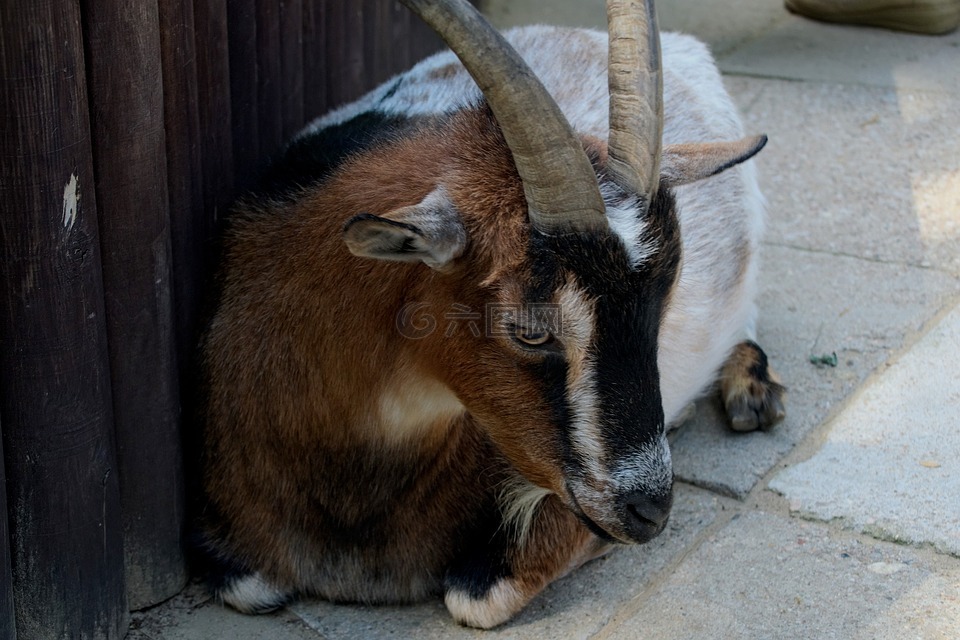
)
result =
(636, 96)
(558, 179)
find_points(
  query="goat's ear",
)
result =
(430, 232)
(685, 163)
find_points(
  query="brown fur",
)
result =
(535, 565)
(305, 485)
(313, 487)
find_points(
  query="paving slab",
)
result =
(890, 466)
(811, 304)
(740, 20)
(577, 606)
(867, 171)
(801, 49)
(194, 615)
(763, 576)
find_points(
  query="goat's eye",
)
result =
(533, 338)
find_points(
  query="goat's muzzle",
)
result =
(645, 516)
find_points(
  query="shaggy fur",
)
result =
(378, 429)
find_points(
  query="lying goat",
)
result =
(361, 448)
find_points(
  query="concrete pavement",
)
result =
(844, 522)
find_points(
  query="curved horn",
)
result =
(558, 179)
(636, 96)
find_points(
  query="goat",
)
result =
(594, 254)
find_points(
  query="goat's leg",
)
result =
(496, 584)
(250, 592)
(750, 389)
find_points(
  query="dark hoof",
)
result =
(751, 391)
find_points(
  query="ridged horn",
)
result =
(636, 96)
(558, 180)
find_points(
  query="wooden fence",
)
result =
(126, 128)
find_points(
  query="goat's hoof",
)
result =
(252, 594)
(500, 603)
(751, 391)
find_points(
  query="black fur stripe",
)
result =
(310, 159)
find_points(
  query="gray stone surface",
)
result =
(193, 615)
(739, 22)
(801, 49)
(890, 465)
(763, 577)
(863, 247)
(811, 303)
(504, 14)
(866, 171)
(576, 607)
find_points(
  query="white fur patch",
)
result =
(252, 594)
(416, 403)
(650, 470)
(500, 603)
(519, 500)
(577, 313)
(623, 214)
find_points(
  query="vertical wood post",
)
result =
(242, 40)
(8, 626)
(213, 102)
(62, 494)
(346, 73)
(189, 231)
(379, 48)
(420, 39)
(293, 36)
(216, 184)
(269, 79)
(129, 151)
(316, 64)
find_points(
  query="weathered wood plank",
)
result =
(378, 50)
(316, 63)
(346, 76)
(269, 80)
(129, 153)
(190, 231)
(242, 40)
(422, 40)
(293, 29)
(62, 492)
(8, 625)
(214, 106)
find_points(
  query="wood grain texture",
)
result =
(316, 64)
(8, 624)
(242, 41)
(214, 106)
(269, 79)
(293, 43)
(55, 403)
(129, 152)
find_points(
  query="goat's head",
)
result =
(567, 248)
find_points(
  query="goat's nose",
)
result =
(645, 515)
